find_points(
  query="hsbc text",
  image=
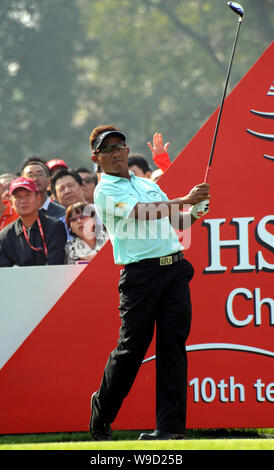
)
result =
(241, 242)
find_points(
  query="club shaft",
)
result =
(222, 101)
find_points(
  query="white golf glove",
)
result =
(200, 209)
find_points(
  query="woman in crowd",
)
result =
(88, 233)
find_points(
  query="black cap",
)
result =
(96, 143)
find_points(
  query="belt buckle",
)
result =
(166, 260)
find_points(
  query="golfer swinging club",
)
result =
(153, 287)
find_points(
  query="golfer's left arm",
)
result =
(172, 208)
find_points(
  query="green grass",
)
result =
(211, 439)
(191, 444)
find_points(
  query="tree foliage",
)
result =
(145, 66)
(38, 78)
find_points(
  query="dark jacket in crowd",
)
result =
(55, 210)
(15, 250)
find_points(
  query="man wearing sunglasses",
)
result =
(89, 180)
(153, 287)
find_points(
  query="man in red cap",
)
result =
(56, 164)
(33, 239)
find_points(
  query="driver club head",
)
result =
(237, 8)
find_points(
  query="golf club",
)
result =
(237, 8)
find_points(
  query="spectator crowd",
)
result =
(47, 212)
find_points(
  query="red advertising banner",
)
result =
(47, 380)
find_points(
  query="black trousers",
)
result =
(149, 296)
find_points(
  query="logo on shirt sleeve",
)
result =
(121, 205)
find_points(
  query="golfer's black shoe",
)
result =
(159, 435)
(100, 430)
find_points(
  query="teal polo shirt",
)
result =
(133, 239)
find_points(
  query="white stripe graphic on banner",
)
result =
(226, 346)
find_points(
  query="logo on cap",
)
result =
(22, 182)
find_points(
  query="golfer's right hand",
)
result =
(199, 193)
